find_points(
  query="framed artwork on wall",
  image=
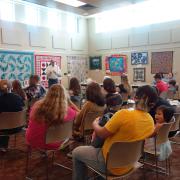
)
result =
(95, 62)
(139, 74)
(139, 58)
(116, 64)
(162, 62)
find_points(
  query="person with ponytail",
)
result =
(52, 110)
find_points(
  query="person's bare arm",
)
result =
(102, 132)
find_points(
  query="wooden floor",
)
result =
(12, 165)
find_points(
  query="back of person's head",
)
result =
(157, 76)
(16, 85)
(114, 101)
(124, 78)
(54, 106)
(167, 111)
(36, 78)
(146, 97)
(75, 86)
(32, 81)
(109, 85)
(4, 86)
(94, 94)
(172, 82)
(17, 88)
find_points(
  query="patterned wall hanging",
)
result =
(77, 67)
(41, 63)
(116, 64)
(95, 62)
(139, 58)
(161, 62)
(16, 65)
(139, 74)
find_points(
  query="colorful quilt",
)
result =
(77, 67)
(41, 63)
(161, 62)
(16, 65)
(116, 64)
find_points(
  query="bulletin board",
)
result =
(116, 64)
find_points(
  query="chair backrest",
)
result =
(124, 154)
(10, 120)
(89, 118)
(162, 134)
(59, 132)
(175, 125)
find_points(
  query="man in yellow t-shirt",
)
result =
(126, 125)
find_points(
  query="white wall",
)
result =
(160, 37)
(42, 40)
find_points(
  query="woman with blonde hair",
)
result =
(51, 110)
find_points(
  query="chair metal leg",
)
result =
(156, 158)
(47, 172)
(14, 140)
(28, 154)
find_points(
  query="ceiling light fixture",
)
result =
(73, 3)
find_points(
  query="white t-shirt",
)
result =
(53, 72)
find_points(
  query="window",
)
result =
(140, 14)
(31, 14)
(54, 19)
(71, 23)
(7, 10)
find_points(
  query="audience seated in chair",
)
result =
(125, 125)
(34, 90)
(160, 84)
(95, 103)
(9, 102)
(75, 91)
(114, 104)
(159, 101)
(172, 86)
(163, 115)
(49, 111)
(17, 89)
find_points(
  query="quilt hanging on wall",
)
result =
(41, 63)
(161, 62)
(77, 67)
(116, 64)
(16, 65)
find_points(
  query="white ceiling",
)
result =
(92, 6)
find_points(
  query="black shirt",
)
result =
(10, 102)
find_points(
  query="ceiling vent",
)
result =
(87, 7)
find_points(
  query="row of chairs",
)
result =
(15, 119)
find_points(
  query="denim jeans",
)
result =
(87, 155)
